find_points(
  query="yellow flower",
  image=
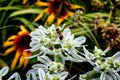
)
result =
(58, 10)
(20, 43)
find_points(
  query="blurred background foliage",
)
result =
(89, 23)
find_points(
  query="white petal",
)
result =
(4, 71)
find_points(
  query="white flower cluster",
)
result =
(62, 45)
(59, 43)
(106, 66)
(49, 70)
(54, 40)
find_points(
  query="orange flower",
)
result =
(57, 9)
(20, 43)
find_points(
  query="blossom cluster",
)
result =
(106, 67)
(54, 40)
(62, 45)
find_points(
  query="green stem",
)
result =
(71, 63)
(76, 68)
(91, 34)
(1, 21)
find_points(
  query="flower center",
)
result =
(22, 41)
(58, 7)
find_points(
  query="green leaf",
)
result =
(26, 22)
(11, 8)
(92, 15)
(25, 11)
(59, 58)
(2, 62)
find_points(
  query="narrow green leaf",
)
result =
(2, 21)
(26, 22)
(91, 35)
(26, 11)
(2, 62)
(92, 15)
(11, 8)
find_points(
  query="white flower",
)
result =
(98, 52)
(69, 42)
(49, 70)
(42, 37)
(82, 77)
(98, 63)
(47, 41)
(51, 66)
(105, 66)
(47, 76)
(116, 63)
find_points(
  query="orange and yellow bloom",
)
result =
(20, 43)
(58, 10)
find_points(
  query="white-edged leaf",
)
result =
(75, 55)
(103, 75)
(63, 75)
(108, 76)
(44, 59)
(70, 58)
(4, 71)
(35, 71)
(31, 76)
(80, 40)
(41, 74)
(37, 66)
(15, 76)
(89, 56)
(116, 75)
(117, 55)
